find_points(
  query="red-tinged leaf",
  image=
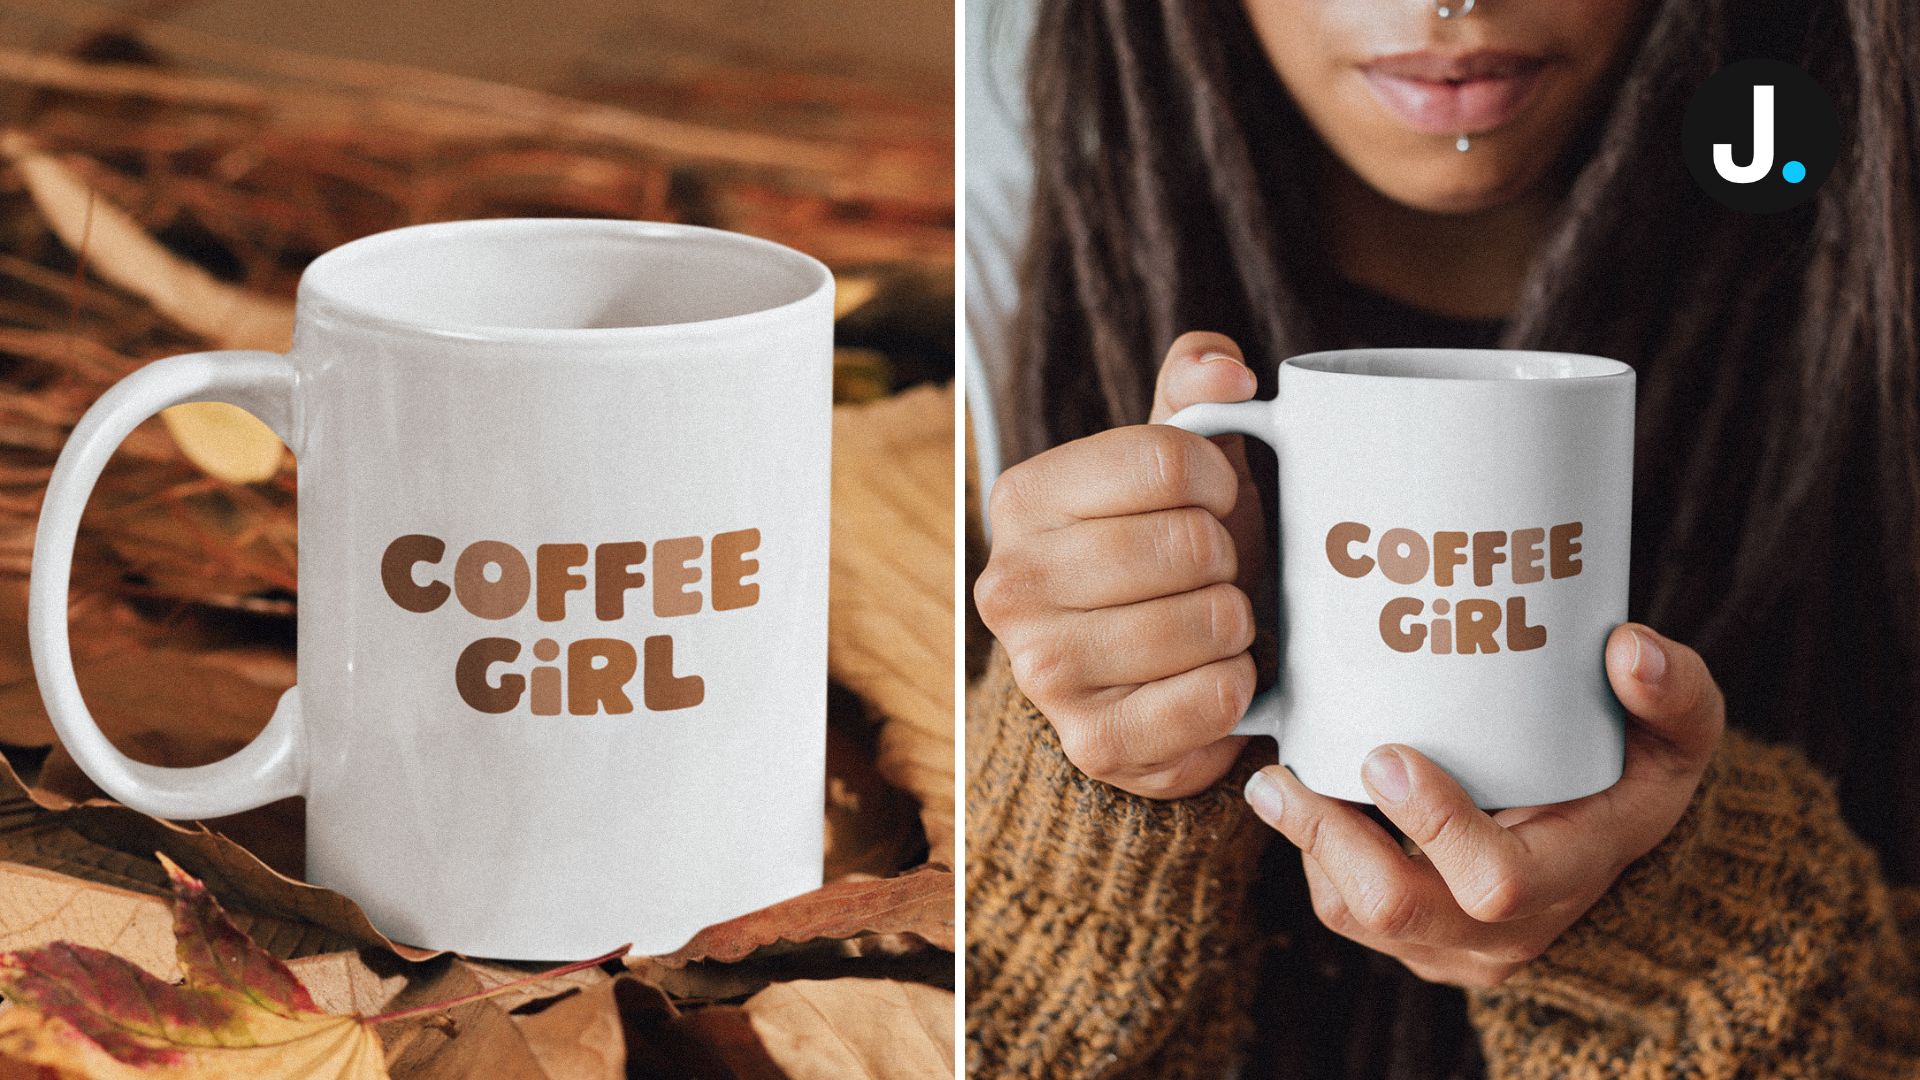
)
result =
(919, 903)
(240, 1014)
(136, 1018)
(215, 954)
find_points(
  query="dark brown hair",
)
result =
(1778, 460)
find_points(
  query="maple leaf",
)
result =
(240, 1013)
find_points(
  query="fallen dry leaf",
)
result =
(40, 906)
(225, 440)
(890, 621)
(122, 252)
(852, 291)
(239, 1011)
(920, 902)
(856, 1029)
(872, 826)
(483, 1037)
(98, 840)
(578, 1037)
(664, 1042)
(85, 1012)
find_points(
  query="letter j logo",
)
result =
(1760, 136)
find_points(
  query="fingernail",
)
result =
(1216, 357)
(1388, 775)
(1265, 796)
(1649, 659)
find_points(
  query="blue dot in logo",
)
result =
(1793, 172)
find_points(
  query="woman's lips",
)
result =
(1468, 94)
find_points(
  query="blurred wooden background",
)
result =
(166, 171)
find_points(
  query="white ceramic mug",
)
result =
(563, 580)
(1453, 544)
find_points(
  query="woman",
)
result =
(1291, 175)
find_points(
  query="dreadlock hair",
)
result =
(1777, 488)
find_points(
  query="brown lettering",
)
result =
(492, 599)
(673, 571)
(1340, 541)
(662, 689)
(1403, 568)
(616, 569)
(1520, 636)
(557, 579)
(1449, 551)
(1487, 553)
(470, 675)
(1563, 544)
(546, 688)
(590, 685)
(1393, 624)
(731, 590)
(1526, 556)
(396, 572)
(1475, 621)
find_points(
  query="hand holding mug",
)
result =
(1112, 586)
(1487, 893)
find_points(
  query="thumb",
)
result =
(1668, 689)
(1201, 366)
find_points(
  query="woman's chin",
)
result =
(1454, 182)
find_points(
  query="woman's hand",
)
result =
(1111, 585)
(1488, 893)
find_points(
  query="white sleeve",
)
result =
(999, 183)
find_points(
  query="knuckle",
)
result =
(1090, 750)
(1390, 913)
(1443, 827)
(1501, 897)
(1229, 617)
(1040, 668)
(1196, 539)
(1309, 831)
(1171, 452)
(1232, 691)
(1331, 909)
(1007, 499)
(994, 592)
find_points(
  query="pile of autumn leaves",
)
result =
(75, 1011)
(81, 1011)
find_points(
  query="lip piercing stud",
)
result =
(1462, 144)
(1448, 11)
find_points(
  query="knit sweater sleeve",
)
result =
(1106, 934)
(1757, 940)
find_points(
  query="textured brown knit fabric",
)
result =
(1108, 935)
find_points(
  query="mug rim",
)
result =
(318, 285)
(1601, 367)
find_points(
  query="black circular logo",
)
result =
(1760, 136)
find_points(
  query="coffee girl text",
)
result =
(677, 577)
(1471, 625)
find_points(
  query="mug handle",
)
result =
(272, 766)
(1255, 419)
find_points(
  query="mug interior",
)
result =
(1463, 364)
(559, 274)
